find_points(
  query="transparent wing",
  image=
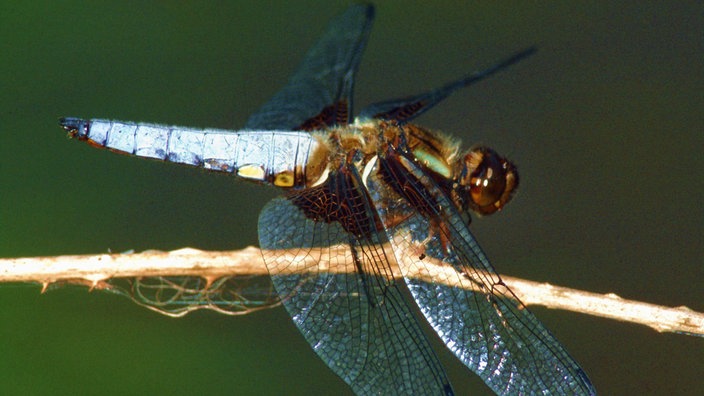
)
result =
(319, 93)
(324, 254)
(406, 109)
(480, 320)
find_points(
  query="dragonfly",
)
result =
(368, 204)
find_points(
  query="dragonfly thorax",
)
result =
(480, 180)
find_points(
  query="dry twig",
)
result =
(96, 272)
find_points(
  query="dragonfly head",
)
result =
(486, 181)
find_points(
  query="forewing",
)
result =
(467, 304)
(330, 268)
(406, 109)
(319, 93)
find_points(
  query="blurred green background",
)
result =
(605, 122)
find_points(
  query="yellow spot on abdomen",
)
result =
(255, 172)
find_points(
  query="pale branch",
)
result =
(95, 271)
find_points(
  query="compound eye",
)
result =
(488, 179)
